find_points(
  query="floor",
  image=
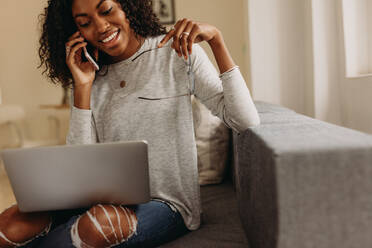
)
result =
(6, 193)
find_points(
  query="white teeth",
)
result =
(110, 37)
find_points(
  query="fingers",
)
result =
(179, 29)
(184, 33)
(166, 38)
(72, 55)
(186, 42)
(75, 35)
(72, 41)
(194, 33)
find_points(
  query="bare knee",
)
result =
(17, 228)
(104, 226)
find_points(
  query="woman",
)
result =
(141, 92)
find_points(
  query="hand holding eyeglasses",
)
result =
(186, 32)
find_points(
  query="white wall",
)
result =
(297, 60)
(229, 17)
(349, 100)
(356, 27)
(277, 48)
(327, 62)
(20, 80)
(369, 33)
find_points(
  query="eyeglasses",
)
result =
(190, 74)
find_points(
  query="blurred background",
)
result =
(312, 56)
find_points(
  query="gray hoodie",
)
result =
(155, 105)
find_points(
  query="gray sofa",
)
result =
(294, 182)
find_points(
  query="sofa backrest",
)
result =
(302, 182)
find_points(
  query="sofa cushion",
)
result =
(212, 143)
(221, 225)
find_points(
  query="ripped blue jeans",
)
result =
(158, 223)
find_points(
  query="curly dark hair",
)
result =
(58, 25)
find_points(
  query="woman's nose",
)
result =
(101, 24)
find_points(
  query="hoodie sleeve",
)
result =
(226, 95)
(82, 129)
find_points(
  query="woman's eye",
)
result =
(107, 11)
(83, 25)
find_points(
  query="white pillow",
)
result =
(212, 143)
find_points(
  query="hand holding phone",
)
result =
(80, 63)
(90, 59)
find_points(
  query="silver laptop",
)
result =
(67, 177)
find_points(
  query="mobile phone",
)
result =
(90, 59)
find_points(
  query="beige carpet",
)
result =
(6, 193)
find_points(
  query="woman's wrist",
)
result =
(83, 87)
(82, 96)
(217, 41)
(221, 53)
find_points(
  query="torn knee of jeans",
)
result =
(25, 228)
(104, 226)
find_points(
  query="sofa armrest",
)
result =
(301, 182)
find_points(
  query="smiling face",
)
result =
(103, 24)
